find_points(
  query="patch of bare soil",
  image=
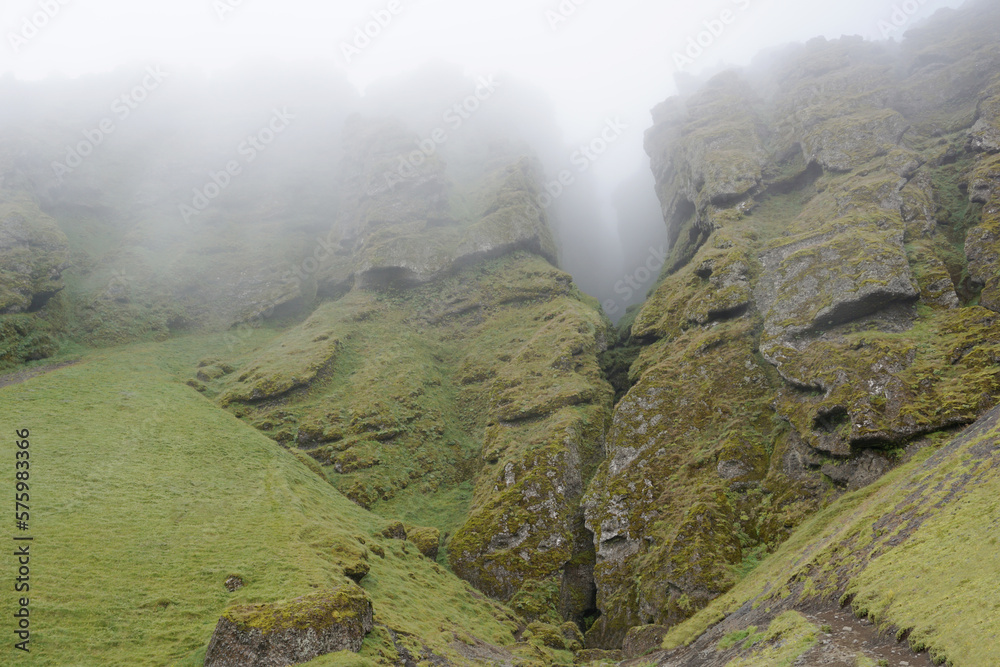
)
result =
(20, 376)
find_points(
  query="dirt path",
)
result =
(20, 376)
(850, 636)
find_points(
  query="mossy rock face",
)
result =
(717, 287)
(885, 387)
(397, 228)
(705, 150)
(985, 134)
(598, 656)
(690, 446)
(944, 99)
(549, 635)
(526, 519)
(25, 337)
(406, 390)
(848, 261)
(889, 551)
(292, 632)
(833, 310)
(835, 278)
(982, 245)
(844, 144)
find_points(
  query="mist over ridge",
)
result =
(570, 69)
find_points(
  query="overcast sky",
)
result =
(597, 59)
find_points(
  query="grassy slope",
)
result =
(916, 550)
(146, 497)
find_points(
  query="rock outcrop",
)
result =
(450, 353)
(399, 224)
(817, 313)
(293, 632)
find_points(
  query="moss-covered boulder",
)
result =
(426, 539)
(293, 632)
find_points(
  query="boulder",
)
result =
(427, 540)
(292, 632)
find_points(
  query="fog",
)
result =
(574, 83)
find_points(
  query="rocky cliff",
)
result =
(396, 322)
(455, 368)
(830, 302)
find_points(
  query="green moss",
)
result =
(538, 601)
(746, 637)
(24, 338)
(310, 463)
(848, 142)
(407, 396)
(930, 510)
(944, 373)
(708, 498)
(343, 606)
(427, 540)
(33, 253)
